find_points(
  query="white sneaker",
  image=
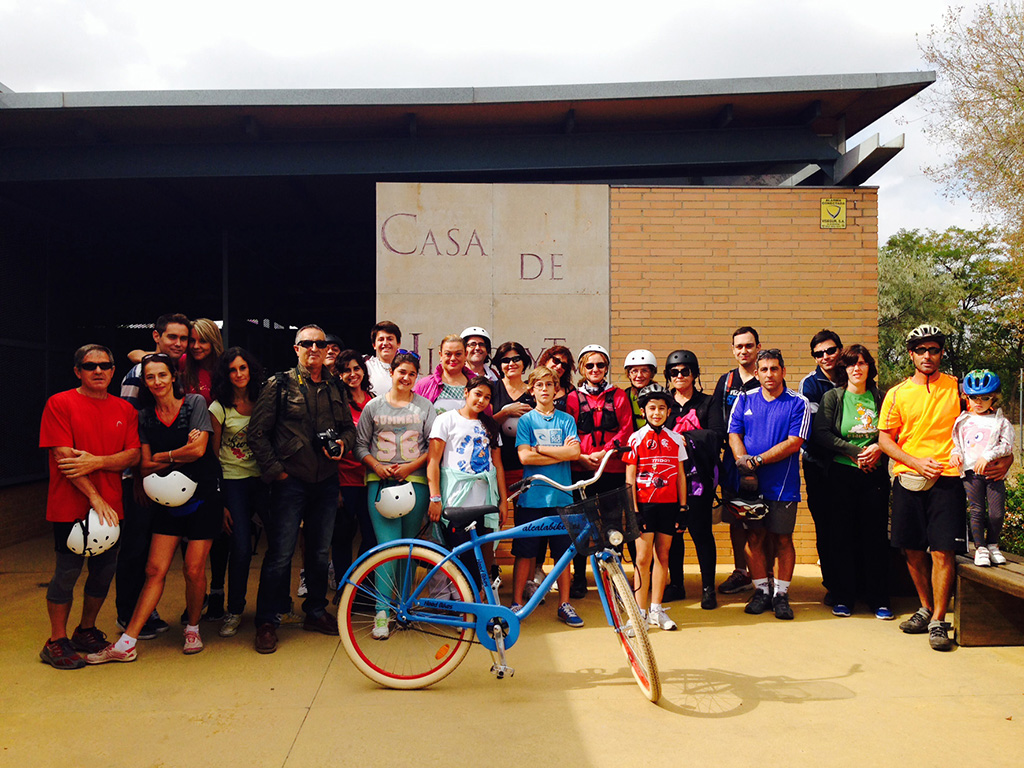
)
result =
(658, 618)
(982, 557)
(230, 626)
(997, 557)
(628, 629)
(380, 626)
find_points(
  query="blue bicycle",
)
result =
(435, 612)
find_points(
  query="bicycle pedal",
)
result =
(501, 670)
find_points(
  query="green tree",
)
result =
(977, 109)
(963, 281)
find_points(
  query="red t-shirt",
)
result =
(656, 456)
(100, 427)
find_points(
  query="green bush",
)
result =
(1013, 527)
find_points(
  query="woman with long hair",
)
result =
(175, 430)
(354, 513)
(237, 380)
(559, 359)
(205, 347)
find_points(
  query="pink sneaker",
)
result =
(193, 642)
(110, 653)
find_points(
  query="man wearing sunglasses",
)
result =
(91, 436)
(826, 347)
(301, 425)
(928, 503)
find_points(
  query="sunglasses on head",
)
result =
(820, 353)
(310, 343)
(93, 366)
(595, 366)
(677, 372)
(512, 359)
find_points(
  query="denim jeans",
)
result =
(242, 497)
(293, 502)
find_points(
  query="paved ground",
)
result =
(738, 690)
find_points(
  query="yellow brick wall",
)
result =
(690, 265)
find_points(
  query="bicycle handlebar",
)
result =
(518, 487)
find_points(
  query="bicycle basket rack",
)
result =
(612, 510)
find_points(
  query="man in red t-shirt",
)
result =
(91, 436)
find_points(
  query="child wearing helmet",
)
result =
(657, 481)
(979, 436)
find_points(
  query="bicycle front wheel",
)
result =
(631, 629)
(403, 654)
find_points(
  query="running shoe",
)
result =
(884, 613)
(380, 626)
(982, 557)
(110, 653)
(88, 640)
(568, 616)
(758, 602)
(193, 642)
(918, 623)
(230, 626)
(737, 582)
(843, 611)
(60, 654)
(997, 557)
(780, 604)
(658, 618)
(938, 636)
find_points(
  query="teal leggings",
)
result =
(387, 530)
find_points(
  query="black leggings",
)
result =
(698, 523)
(985, 528)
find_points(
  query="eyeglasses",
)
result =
(927, 351)
(820, 353)
(512, 359)
(677, 372)
(310, 343)
(474, 344)
(595, 366)
(94, 366)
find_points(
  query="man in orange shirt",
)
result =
(928, 504)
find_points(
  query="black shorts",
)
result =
(935, 519)
(658, 518)
(530, 547)
(205, 523)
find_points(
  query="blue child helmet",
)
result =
(981, 382)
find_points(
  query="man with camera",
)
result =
(301, 425)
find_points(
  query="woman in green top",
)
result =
(846, 425)
(236, 385)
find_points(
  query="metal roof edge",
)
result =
(467, 95)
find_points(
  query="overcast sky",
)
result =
(110, 45)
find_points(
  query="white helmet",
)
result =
(171, 490)
(475, 330)
(593, 348)
(92, 536)
(641, 357)
(395, 501)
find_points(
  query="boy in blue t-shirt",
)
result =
(546, 441)
(766, 429)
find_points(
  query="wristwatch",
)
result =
(758, 461)
(435, 498)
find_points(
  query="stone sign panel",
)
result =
(528, 262)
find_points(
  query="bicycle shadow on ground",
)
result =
(718, 693)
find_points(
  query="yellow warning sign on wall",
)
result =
(833, 213)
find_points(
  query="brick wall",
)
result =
(689, 265)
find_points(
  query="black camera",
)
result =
(328, 441)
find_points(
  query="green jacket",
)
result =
(826, 429)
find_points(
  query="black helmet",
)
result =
(682, 357)
(654, 392)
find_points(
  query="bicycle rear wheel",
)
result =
(638, 646)
(410, 654)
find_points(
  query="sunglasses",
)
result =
(927, 351)
(595, 366)
(408, 352)
(563, 364)
(512, 359)
(677, 372)
(980, 398)
(94, 366)
(820, 353)
(310, 343)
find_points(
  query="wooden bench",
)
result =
(989, 604)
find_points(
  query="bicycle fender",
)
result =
(409, 543)
(484, 614)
